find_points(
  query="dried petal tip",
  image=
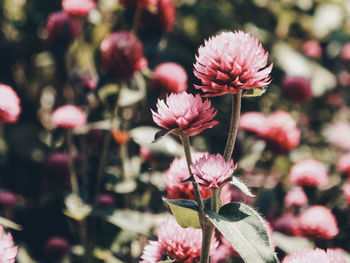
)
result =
(7, 251)
(212, 171)
(184, 113)
(68, 117)
(231, 61)
(9, 105)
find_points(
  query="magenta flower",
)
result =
(318, 222)
(184, 113)
(318, 255)
(312, 49)
(212, 171)
(254, 122)
(80, 8)
(295, 198)
(309, 173)
(57, 247)
(9, 105)
(7, 199)
(7, 251)
(231, 61)
(62, 26)
(287, 224)
(68, 117)
(297, 89)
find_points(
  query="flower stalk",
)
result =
(73, 176)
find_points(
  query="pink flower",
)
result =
(318, 255)
(152, 252)
(346, 190)
(287, 224)
(312, 49)
(343, 164)
(9, 105)
(169, 77)
(139, 3)
(318, 222)
(146, 154)
(295, 197)
(254, 122)
(57, 247)
(345, 52)
(339, 135)
(68, 117)
(185, 114)
(212, 170)
(80, 8)
(166, 15)
(122, 55)
(105, 201)
(61, 26)
(7, 199)
(297, 89)
(231, 61)
(7, 250)
(344, 78)
(335, 255)
(309, 173)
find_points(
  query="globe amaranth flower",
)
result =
(56, 247)
(318, 222)
(9, 105)
(287, 224)
(212, 170)
(297, 89)
(177, 243)
(68, 117)
(343, 164)
(318, 255)
(254, 122)
(169, 77)
(231, 61)
(7, 199)
(61, 26)
(139, 3)
(184, 113)
(295, 198)
(122, 55)
(8, 251)
(79, 8)
(308, 173)
(312, 49)
(346, 191)
(339, 135)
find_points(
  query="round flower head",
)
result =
(80, 8)
(212, 171)
(318, 222)
(312, 49)
(231, 61)
(345, 52)
(57, 247)
(318, 255)
(152, 252)
(184, 113)
(60, 26)
(68, 117)
(287, 224)
(7, 199)
(254, 122)
(169, 77)
(7, 251)
(343, 164)
(339, 135)
(297, 89)
(346, 190)
(9, 105)
(122, 55)
(308, 173)
(295, 197)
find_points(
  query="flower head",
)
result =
(7, 251)
(254, 122)
(169, 77)
(346, 191)
(312, 49)
(139, 3)
(212, 170)
(56, 247)
(7, 199)
(287, 224)
(184, 113)
(80, 8)
(297, 89)
(295, 197)
(345, 52)
(61, 26)
(318, 222)
(68, 117)
(314, 255)
(343, 164)
(152, 252)
(339, 135)
(231, 61)
(122, 55)
(9, 105)
(309, 173)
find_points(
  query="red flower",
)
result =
(312, 49)
(7, 251)
(318, 222)
(61, 25)
(287, 224)
(169, 77)
(343, 164)
(139, 3)
(309, 173)
(318, 255)
(57, 247)
(80, 8)
(184, 113)
(297, 89)
(295, 197)
(166, 15)
(229, 62)
(68, 117)
(122, 55)
(9, 105)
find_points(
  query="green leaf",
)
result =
(290, 244)
(185, 212)
(245, 230)
(253, 92)
(241, 186)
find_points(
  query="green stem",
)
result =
(73, 176)
(232, 134)
(207, 234)
(215, 199)
(136, 21)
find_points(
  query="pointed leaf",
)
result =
(9, 224)
(245, 230)
(254, 92)
(160, 134)
(241, 186)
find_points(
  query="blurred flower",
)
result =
(318, 255)
(184, 113)
(56, 166)
(89, 82)
(343, 164)
(308, 173)
(68, 117)
(169, 77)
(105, 201)
(233, 194)
(177, 172)
(7, 199)
(312, 49)
(229, 62)
(9, 105)
(287, 224)
(318, 222)
(57, 247)
(335, 99)
(139, 3)
(120, 137)
(295, 197)
(7, 250)
(80, 8)
(152, 252)
(122, 55)
(146, 154)
(254, 122)
(61, 26)
(344, 78)
(346, 190)
(297, 89)
(212, 170)
(345, 52)
(94, 137)
(339, 135)
(166, 15)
